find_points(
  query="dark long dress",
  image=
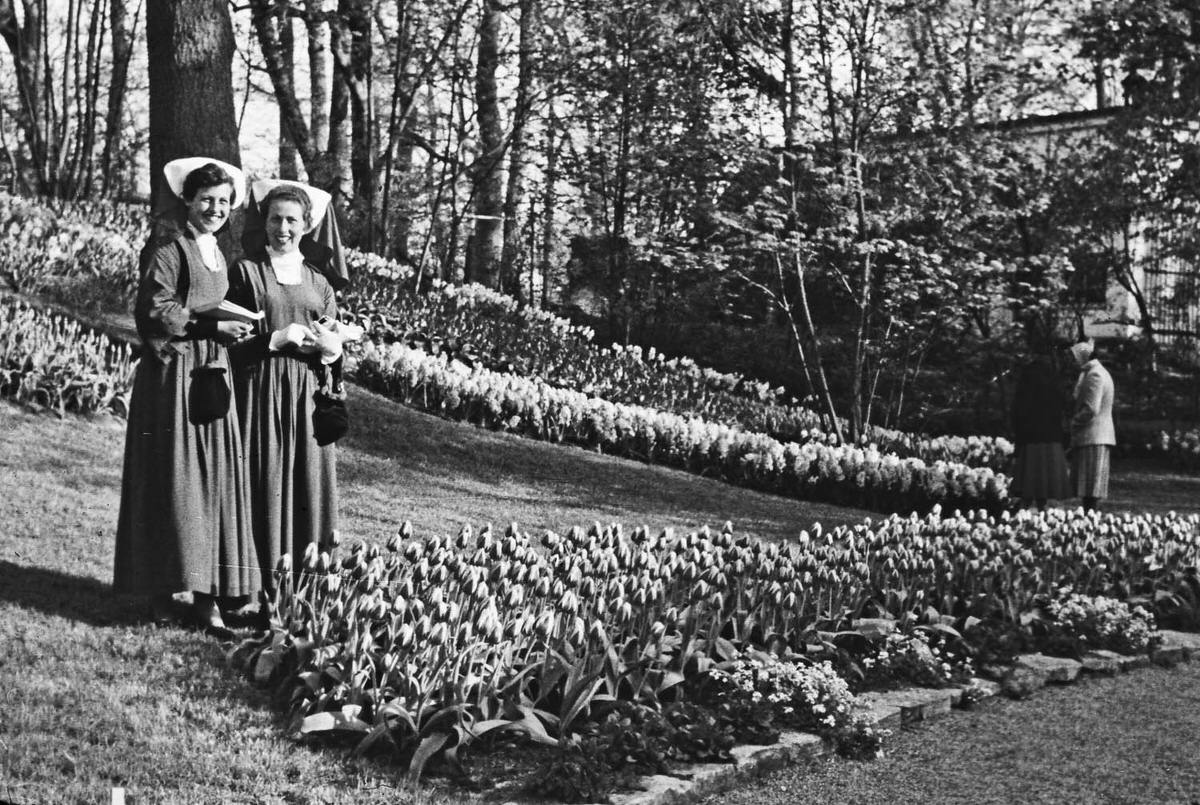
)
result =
(293, 480)
(1038, 412)
(184, 521)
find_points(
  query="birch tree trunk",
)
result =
(483, 257)
(514, 192)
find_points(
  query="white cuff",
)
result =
(329, 357)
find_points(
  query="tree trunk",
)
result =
(513, 195)
(336, 168)
(355, 74)
(26, 45)
(121, 49)
(288, 153)
(483, 258)
(269, 23)
(549, 206)
(319, 76)
(190, 50)
(791, 78)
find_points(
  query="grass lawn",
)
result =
(93, 697)
(1125, 739)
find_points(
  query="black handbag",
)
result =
(331, 420)
(208, 395)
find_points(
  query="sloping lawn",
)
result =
(93, 697)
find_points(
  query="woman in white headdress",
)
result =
(184, 523)
(293, 357)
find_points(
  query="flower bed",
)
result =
(810, 471)
(48, 247)
(53, 361)
(427, 646)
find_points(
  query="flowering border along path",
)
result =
(896, 708)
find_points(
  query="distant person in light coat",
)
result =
(1092, 433)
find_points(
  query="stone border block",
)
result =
(1167, 654)
(1102, 661)
(1131, 662)
(892, 708)
(889, 709)
(979, 689)
(1056, 669)
(1189, 642)
(702, 779)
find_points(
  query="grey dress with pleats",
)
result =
(293, 479)
(184, 521)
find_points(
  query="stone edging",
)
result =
(893, 709)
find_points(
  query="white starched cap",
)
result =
(318, 199)
(176, 172)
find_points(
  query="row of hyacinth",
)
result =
(53, 361)
(809, 470)
(49, 244)
(418, 640)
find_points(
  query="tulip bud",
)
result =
(284, 565)
(544, 625)
(311, 553)
(438, 635)
(493, 634)
(624, 612)
(569, 602)
(465, 634)
(577, 633)
(406, 530)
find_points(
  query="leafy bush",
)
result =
(926, 657)
(1100, 622)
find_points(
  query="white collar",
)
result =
(288, 266)
(207, 243)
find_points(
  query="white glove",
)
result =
(327, 341)
(295, 335)
(348, 331)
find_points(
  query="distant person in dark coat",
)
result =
(1038, 412)
(1092, 432)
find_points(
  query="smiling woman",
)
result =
(280, 375)
(184, 523)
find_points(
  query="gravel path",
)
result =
(1134, 738)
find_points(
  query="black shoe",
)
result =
(206, 615)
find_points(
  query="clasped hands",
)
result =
(315, 339)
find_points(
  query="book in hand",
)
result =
(228, 311)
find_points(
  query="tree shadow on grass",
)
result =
(78, 598)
